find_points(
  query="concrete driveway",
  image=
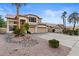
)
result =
(69, 41)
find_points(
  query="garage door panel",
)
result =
(41, 29)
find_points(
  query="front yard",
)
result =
(41, 48)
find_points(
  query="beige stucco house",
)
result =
(36, 26)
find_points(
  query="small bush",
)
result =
(76, 32)
(26, 26)
(66, 31)
(70, 32)
(18, 32)
(54, 43)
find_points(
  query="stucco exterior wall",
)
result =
(58, 30)
(35, 27)
(3, 30)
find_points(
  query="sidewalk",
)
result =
(75, 50)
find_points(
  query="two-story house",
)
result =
(36, 26)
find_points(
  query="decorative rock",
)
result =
(15, 49)
(25, 41)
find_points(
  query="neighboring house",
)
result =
(59, 28)
(35, 23)
(55, 27)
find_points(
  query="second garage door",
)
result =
(41, 29)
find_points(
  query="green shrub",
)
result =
(76, 32)
(64, 31)
(18, 32)
(54, 43)
(26, 26)
(70, 32)
(21, 32)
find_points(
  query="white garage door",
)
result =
(41, 29)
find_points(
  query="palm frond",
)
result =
(64, 14)
(19, 4)
(74, 17)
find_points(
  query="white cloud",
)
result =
(54, 16)
(4, 11)
(52, 13)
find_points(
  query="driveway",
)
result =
(66, 40)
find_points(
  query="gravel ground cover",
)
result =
(39, 47)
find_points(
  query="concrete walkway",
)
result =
(69, 41)
(75, 50)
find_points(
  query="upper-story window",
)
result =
(32, 19)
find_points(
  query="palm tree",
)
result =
(18, 6)
(73, 18)
(64, 19)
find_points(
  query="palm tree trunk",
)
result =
(74, 26)
(17, 15)
(64, 24)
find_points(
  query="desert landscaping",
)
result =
(39, 48)
(26, 32)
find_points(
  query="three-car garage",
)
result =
(38, 29)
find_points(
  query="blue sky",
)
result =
(49, 12)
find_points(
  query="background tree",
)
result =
(2, 22)
(64, 19)
(73, 18)
(18, 6)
